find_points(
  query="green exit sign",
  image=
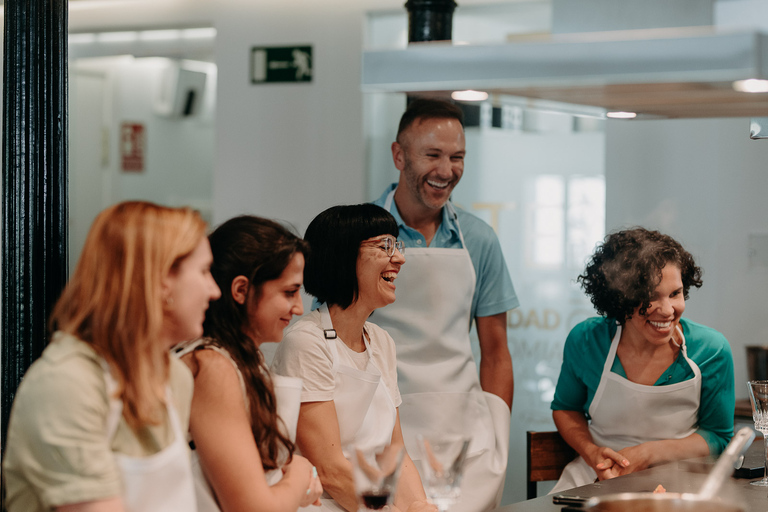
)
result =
(271, 64)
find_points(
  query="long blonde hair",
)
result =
(114, 302)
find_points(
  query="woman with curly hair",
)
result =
(640, 385)
(243, 419)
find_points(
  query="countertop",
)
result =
(680, 476)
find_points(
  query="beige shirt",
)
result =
(304, 353)
(57, 451)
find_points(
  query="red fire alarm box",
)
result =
(132, 147)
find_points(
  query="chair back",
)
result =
(548, 454)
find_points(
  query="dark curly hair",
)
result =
(625, 270)
(259, 249)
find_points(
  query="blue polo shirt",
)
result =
(494, 292)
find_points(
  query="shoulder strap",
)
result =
(329, 333)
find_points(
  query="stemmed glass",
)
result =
(442, 461)
(376, 471)
(758, 396)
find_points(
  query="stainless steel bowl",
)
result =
(662, 502)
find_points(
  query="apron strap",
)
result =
(684, 349)
(330, 334)
(116, 405)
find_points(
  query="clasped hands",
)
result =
(609, 463)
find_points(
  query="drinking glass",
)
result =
(376, 471)
(442, 460)
(758, 396)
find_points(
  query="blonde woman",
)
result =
(99, 421)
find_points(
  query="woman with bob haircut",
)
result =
(243, 420)
(99, 421)
(640, 385)
(348, 365)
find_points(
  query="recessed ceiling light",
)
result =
(117, 37)
(621, 115)
(751, 85)
(198, 33)
(159, 35)
(82, 38)
(469, 95)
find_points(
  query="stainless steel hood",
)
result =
(673, 73)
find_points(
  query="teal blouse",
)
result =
(586, 350)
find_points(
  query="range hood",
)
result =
(671, 73)
(656, 58)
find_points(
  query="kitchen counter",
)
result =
(680, 476)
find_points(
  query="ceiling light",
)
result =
(621, 115)
(117, 37)
(751, 85)
(82, 38)
(159, 35)
(199, 33)
(469, 95)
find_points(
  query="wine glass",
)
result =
(758, 396)
(376, 471)
(442, 460)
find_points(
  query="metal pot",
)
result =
(704, 501)
(666, 502)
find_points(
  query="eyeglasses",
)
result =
(388, 244)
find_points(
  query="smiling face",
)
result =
(270, 309)
(187, 290)
(376, 273)
(658, 324)
(430, 157)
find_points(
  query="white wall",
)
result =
(704, 182)
(178, 161)
(291, 150)
(288, 151)
(108, 15)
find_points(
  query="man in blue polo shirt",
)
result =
(454, 273)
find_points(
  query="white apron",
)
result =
(437, 374)
(288, 399)
(620, 414)
(161, 482)
(365, 411)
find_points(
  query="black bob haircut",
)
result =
(334, 238)
(424, 108)
(625, 270)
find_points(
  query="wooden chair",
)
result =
(547, 454)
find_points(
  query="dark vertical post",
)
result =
(430, 20)
(34, 237)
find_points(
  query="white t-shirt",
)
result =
(305, 353)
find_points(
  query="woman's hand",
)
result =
(652, 453)
(606, 462)
(421, 506)
(314, 491)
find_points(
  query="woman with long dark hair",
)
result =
(243, 419)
